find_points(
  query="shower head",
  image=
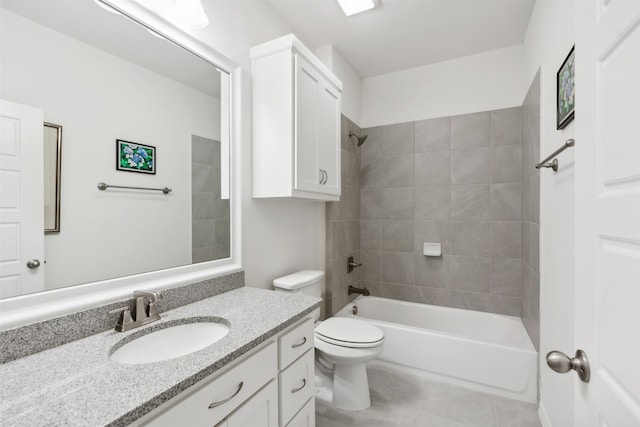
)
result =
(361, 139)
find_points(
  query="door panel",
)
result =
(21, 199)
(608, 211)
(329, 139)
(307, 81)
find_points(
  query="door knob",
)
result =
(33, 264)
(560, 362)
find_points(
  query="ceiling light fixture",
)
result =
(187, 14)
(351, 7)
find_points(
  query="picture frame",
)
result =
(52, 175)
(135, 157)
(565, 91)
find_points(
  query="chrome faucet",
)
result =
(361, 291)
(143, 313)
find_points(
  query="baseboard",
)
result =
(542, 414)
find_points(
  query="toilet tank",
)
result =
(306, 282)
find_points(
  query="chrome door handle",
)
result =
(321, 176)
(295, 390)
(560, 362)
(214, 404)
(326, 176)
(300, 344)
(33, 264)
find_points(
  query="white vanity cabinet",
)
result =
(269, 387)
(296, 123)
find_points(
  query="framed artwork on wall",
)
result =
(565, 95)
(134, 157)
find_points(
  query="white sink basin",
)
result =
(169, 343)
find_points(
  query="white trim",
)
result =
(26, 309)
(542, 414)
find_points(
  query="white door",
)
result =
(307, 80)
(607, 158)
(21, 199)
(329, 149)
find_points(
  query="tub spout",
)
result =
(361, 291)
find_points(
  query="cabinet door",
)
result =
(307, 83)
(259, 411)
(329, 137)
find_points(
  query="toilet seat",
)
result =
(352, 333)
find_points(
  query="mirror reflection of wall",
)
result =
(105, 78)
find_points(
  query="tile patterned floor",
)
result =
(400, 399)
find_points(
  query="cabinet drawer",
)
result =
(296, 386)
(223, 393)
(295, 343)
(306, 417)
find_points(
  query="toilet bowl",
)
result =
(348, 344)
(343, 347)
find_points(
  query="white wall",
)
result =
(548, 40)
(97, 98)
(278, 236)
(482, 82)
(351, 80)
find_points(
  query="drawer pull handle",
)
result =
(214, 404)
(304, 341)
(304, 383)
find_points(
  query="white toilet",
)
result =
(343, 345)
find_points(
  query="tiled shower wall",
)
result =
(343, 225)
(209, 212)
(452, 180)
(531, 212)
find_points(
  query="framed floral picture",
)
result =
(134, 157)
(565, 103)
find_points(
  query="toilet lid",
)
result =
(349, 332)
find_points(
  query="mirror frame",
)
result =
(30, 308)
(57, 167)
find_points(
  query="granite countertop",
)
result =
(77, 385)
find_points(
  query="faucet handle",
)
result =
(153, 296)
(125, 318)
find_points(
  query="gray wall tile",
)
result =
(432, 202)
(506, 164)
(506, 126)
(432, 168)
(398, 267)
(470, 273)
(397, 139)
(432, 271)
(432, 135)
(371, 234)
(506, 239)
(471, 130)
(397, 171)
(397, 291)
(371, 268)
(467, 193)
(506, 202)
(470, 202)
(471, 166)
(470, 238)
(397, 236)
(505, 276)
(397, 203)
(370, 203)
(370, 171)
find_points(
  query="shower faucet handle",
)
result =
(351, 264)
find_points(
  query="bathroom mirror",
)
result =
(103, 77)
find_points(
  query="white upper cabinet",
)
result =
(296, 123)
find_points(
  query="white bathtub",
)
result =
(483, 351)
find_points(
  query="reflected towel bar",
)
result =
(554, 164)
(102, 186)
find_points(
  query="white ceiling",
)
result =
(401, 34)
